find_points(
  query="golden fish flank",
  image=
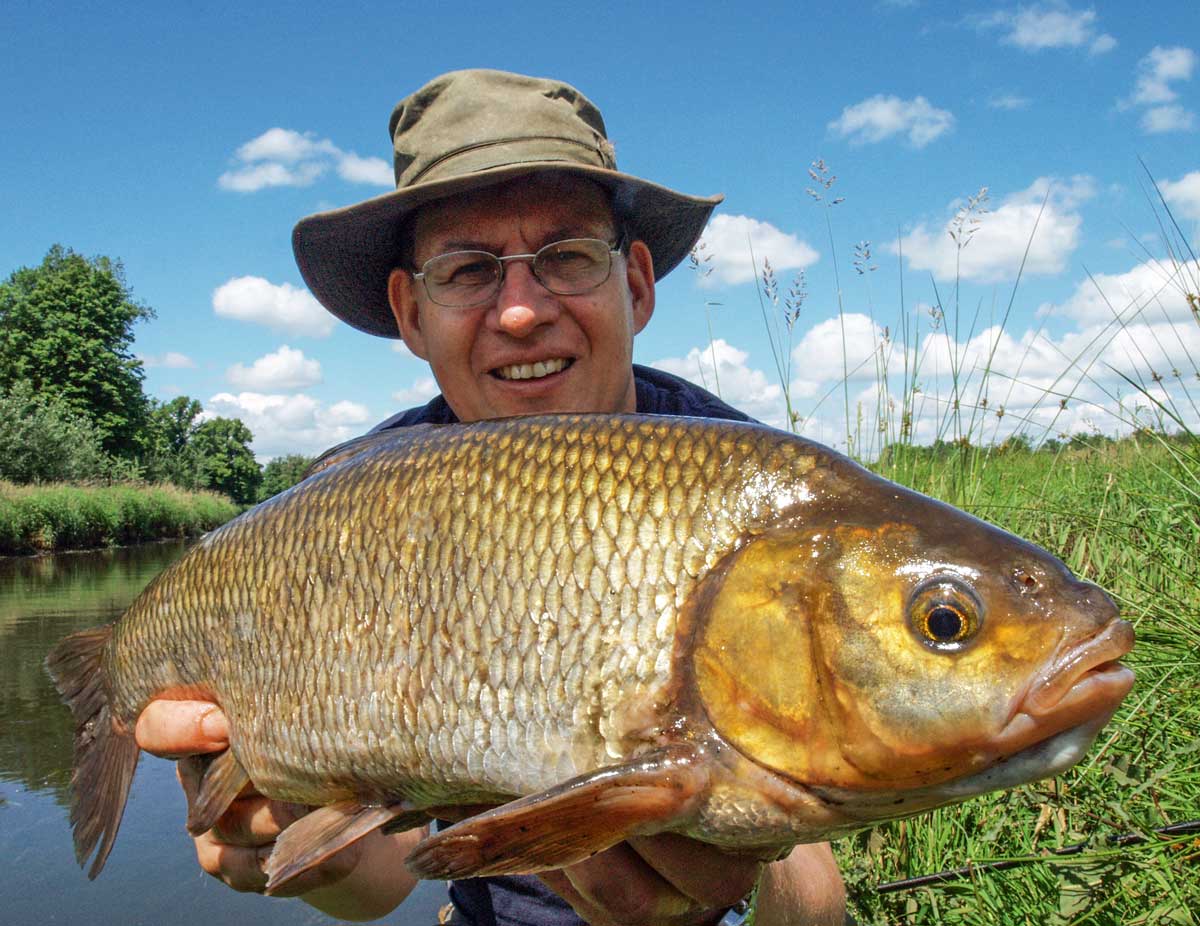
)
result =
(640, 623)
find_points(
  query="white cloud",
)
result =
(403, 350)
(283, 424)
(1151, 292)
(256, 177)
(1050, 25)
(817, 358)
(998, 245)
(1160, 119)
(737, 245)
(721, 368)
(375, 171)
(881, 117)
(420, 392)
(286, 369)
(284, 157)
(1183, 195)
(1158, 70)
(282, 307)
(1008, 101)
(284, 145)
(171, 360)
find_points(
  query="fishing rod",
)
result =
(958, 874)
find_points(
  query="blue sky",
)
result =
(187, 142)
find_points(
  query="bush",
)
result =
(43, 440)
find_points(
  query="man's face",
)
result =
(527, 350)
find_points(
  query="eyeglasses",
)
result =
(567, 268)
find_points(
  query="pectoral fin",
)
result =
(318, 835)
(223, 780)
(569, 822)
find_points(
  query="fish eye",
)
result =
(945, 614)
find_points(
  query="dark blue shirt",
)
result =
(524, 900)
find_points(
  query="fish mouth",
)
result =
(1084, 681)
(537, 370)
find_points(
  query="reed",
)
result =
(45, 518)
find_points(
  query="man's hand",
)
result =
(363, 881)
(671, 879)
(655, 879)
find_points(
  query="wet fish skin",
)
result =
(464, 614)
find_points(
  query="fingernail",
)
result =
(212, 725)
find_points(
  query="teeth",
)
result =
(532, 370)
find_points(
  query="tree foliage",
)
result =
(42, 439)
(229, 465)
(66, 328)
(170, 455)
(282, 473)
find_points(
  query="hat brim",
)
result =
(346, 255)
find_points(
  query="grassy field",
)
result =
(40, 519)
(1125, 515)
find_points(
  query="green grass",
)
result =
(38, 519)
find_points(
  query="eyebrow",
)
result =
(562, 233)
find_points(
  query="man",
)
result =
(518, 262)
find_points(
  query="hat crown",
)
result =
(473, 120)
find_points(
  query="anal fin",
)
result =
(318, 835)
(568, 822)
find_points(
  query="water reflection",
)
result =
(151, 877)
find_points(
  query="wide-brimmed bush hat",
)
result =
(463, 131)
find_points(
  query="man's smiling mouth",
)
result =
(537, 370)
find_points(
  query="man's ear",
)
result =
(402, 298)
(639, 273)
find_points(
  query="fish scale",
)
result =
(643, 623)
(472, 589)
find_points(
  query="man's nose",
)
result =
(523, 303)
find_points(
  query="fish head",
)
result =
(898, 646)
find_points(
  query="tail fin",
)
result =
(105, 757)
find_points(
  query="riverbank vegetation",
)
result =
(43, 518)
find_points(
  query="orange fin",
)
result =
(569, 822)
(318, 835)
(222, 782)
(105, 755)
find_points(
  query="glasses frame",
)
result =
(614, 249)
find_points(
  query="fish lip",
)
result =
(1091, 660)
(1084, 681)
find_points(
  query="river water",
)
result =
(151, 877)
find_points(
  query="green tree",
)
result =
(223, 445)
(43, 440)
(170, 455)
(66, 328)
(282, 473)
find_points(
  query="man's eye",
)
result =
(567, 259)
(473, 273)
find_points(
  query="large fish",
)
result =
(607, 626)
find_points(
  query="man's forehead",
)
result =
(542, 201)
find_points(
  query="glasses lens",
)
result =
(461, 278)
(573, 266)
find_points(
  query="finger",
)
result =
(238, 866)
(177, 728)
(618, 886)
(709, 875)
(255, 821)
